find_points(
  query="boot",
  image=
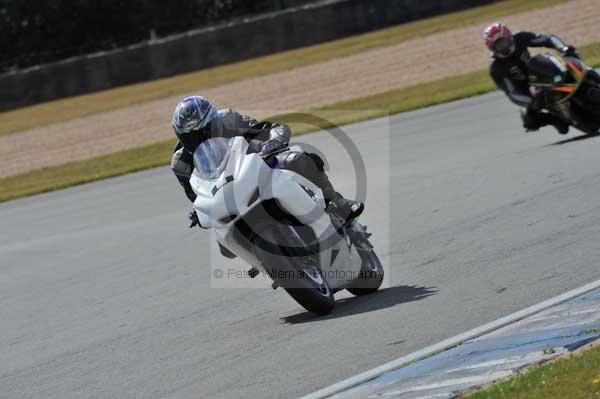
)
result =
(559, 124)
(346, 209)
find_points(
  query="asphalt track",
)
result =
(105, 293)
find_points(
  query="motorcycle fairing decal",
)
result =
(564, 89)
(216, 188)
(569, 89)
(578, 74)
(310, 193)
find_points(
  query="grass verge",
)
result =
(74, 173)
(573, 377)
(391, 102)
(158, 154)
(76, 107)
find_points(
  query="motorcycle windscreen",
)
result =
(211, 156)
(547, 69)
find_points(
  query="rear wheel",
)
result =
(280, 250)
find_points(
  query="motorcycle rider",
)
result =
(508, 69)
(196, 119)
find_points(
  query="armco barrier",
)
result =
(235, 41)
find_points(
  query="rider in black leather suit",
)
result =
(509, 71)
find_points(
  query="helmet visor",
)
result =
(190, 126)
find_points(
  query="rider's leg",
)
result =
(533, 120)
(311, 167)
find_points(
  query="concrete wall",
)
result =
(208, 47)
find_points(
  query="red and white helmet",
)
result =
(499, 39)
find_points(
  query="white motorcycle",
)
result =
(276, 220)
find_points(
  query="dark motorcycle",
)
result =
(566, 87)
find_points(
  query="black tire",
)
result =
(278, 252)
(589, 103)
(371, 276)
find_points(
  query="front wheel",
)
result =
(371, 275)
(299, 274)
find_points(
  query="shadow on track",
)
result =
(384, 298)
(577, 138)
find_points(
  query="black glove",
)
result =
(570, 51)
(272, 146)
(193, 216)
(254, 146)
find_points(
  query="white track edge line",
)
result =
(449, 343)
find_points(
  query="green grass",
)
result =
(391, 102)
(575, 377)
(76, 107)
(74, 173)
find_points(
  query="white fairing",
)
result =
(227, 187)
